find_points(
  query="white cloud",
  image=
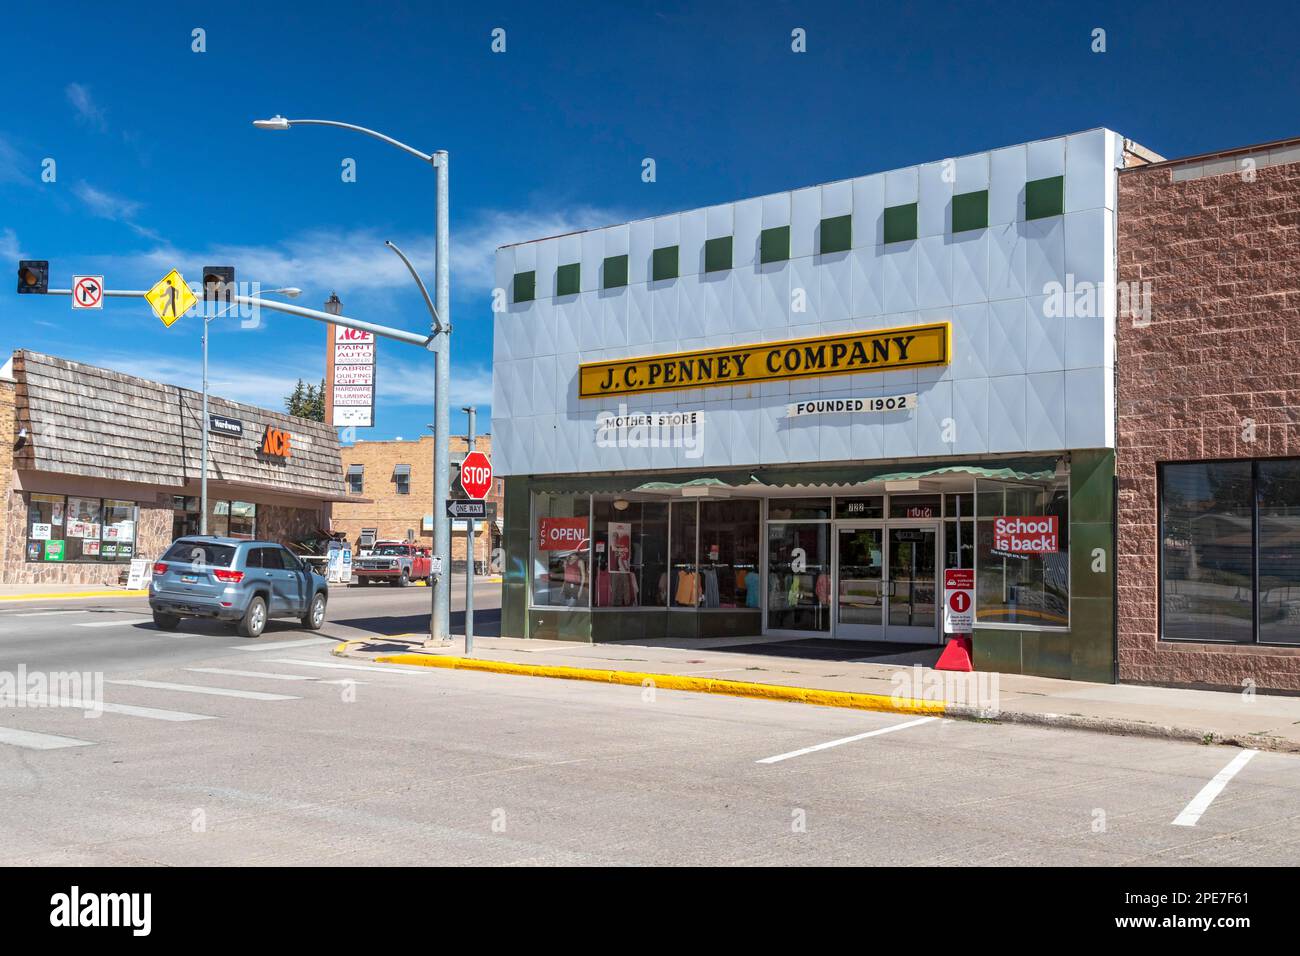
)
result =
(11, 163)
(236, 380)
(88, 111)
(9, 248)
(410, 382)
(106, 205)
(473, 252)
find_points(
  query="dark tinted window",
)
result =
(1207, 551)
(201, 552)
(1279, 552)
(288, 561)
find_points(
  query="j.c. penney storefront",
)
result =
(787, 416)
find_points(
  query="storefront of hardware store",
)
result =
(98, 467)
(786, 416)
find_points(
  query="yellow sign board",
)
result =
(914, 346)
(171, 298)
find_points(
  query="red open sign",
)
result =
(561, 534)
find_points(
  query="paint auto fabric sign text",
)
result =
(916, 346)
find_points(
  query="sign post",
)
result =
(958, 619)
(476, 479)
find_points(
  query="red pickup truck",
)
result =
(397, 562)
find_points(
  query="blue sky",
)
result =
(158, 165)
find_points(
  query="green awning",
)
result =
(1038, 468)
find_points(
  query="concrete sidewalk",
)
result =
(1249, 720)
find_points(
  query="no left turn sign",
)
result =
(87, 292)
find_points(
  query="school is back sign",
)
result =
(880, 350)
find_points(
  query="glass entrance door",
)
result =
(860, 598)
(913, 583)
(886, 583)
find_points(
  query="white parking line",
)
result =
(196, 689)
(268, 675)
(31, 741)
(116, 623)
(1201, 802)
(49, 613)
(848, 740)
(126, 710)
(284, 644)
(342, 667)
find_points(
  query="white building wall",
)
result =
(1019, 380)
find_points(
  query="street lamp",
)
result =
(440, 342)
(289, 292)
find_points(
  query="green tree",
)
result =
(306, 401)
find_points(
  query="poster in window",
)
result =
(54, 551)
(56, 513)
(620, 546)
(125, 550)
(108, 550)
(41, 532)
(90, 548)
(34, 550)
(90, 532)
(76, 529)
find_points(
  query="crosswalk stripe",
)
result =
(284, 645)
(267, 674)
(342, 667)
(126, 710)
(197, 689)
(33, 741)
(117, 623)
(48, 613)
(235, 673)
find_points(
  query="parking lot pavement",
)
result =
(290, 755)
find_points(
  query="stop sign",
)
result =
(476, 474)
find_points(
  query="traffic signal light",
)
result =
(218, 283)
(33, 277)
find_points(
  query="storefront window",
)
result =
(798, 509)
(728, 558)
(1279, 552)
(871, 507)
(798, 577)
(243, 520)
(76, 529)
(966, 557)
(630, 553)
(1023, 574)
(1230, 552)
(687, 589)
(562, 551)
(914, 506)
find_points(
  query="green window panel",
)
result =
(615, 272)
(774, 244)
(837, 234)
(900, 223)
(525, 286)
(970, 211)
(717, 254)
(568, 279)
(665, 263)
(1045, 197)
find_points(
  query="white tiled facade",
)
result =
(1019, 381)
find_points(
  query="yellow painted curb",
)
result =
(66, 595)
(701, 685)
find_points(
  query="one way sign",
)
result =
(459, 508)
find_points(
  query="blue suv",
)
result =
(244, 582)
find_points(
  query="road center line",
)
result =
(1201, 802)
(848, 740)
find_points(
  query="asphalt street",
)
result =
(213, 749)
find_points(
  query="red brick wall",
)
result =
(1222, 255)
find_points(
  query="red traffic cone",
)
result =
(956, 656)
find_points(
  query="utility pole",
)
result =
(471, 413)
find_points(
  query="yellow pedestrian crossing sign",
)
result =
(171, 298)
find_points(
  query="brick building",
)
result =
(394, 482)
(98, 467)
(1208, 405)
